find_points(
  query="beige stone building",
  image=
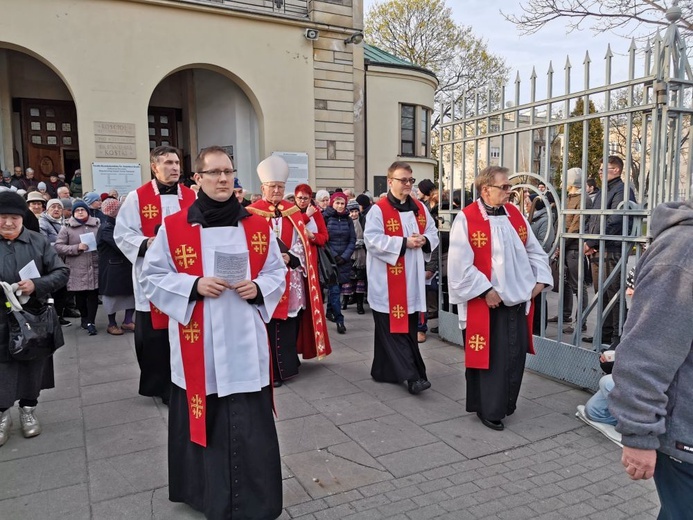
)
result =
(97, 83)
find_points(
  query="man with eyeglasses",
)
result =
(399, 236)
(215, 269)
(138, 221)
(496, 267)
(298, 324)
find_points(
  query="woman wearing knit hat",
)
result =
(23, 380)
(342, 242)
(83, 261)
(115, 273)
(358, 266)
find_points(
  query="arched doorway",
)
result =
(38, 129)
(196, 107)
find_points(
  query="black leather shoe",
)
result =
(71, 313)
(277, 383)
(359, 309)
(425, 384)
(415, 387)
(434, 330)
(330, 316)
(494, 425)
(587, 339)
(341, 329)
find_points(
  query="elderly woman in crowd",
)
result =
(37, 204)
(76, 242)
(51, 222)
(115, 273)
(322, 199)
(342, 242)
(23, 380)
(358, 267)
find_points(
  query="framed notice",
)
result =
(298, 168)
(124, 177)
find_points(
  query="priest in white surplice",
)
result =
(399, 236)
(496, 267)
(217, 272)
(138, 220)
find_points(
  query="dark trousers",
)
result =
(610, 329)
(572, 263)
(87, 304)
(674, 481)
(334, 292)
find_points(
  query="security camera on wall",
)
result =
(312, 34)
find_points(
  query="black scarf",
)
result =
(492, 211)
(211, 213)
(407, 205)
(167, 190)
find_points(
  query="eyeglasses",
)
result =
(504, 187)
(302, 198)
(410, 180)
(217, 173)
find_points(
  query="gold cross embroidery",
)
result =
(522, 231)
(150, 211)
(477, 342)
(396, 269)
(196, 406)
(185, 256)
(422, 220)
(398, 311)
(259, 242)
(392, 225)
(192, 332)
(479, 239)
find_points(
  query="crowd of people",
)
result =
(205, 275)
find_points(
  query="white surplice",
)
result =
(384, 250)
(128, 237)
(515, 268)
(235, 338)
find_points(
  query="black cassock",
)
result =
(493, 393)
(396, 357)
(153, 352)
(238, 475)
(283, 335)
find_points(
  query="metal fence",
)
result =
(644, 119)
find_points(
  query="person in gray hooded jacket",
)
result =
(653, 395)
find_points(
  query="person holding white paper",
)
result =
(82, 261)
(223, 449)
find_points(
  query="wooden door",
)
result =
(163, 127)
(48, 128)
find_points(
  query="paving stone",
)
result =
(56, 504)
(112, 391)
(427, 408)
(398, 507)
(420, 458)
(307, 508)
(434, 485)
(388, 434)
(550, 425)
(429, 498)
(31, 475)
(119, 412)
(163, 509)
(93, 376)
(309, 433)
(477, 440)
(518, 513)
(343, 498)
(356, 370)
(364, 504)
(321, 384)
(352, 408)
(580, 510)
(545, 505)
(374, 489)
(451, 386)
(126, 438)
(130, 473)
(291, 405)
(424, 513)
(322, 473)
(56, 436)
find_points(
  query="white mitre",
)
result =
(273, 169)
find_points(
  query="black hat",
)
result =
(12, 204)
(426, 186)
(364, 200)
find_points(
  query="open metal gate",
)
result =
(645, 119)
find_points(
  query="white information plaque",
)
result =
(298, 169)
(124, 177)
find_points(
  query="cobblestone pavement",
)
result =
(351, 448)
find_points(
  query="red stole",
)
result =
(313, 339)
(150, 218)
(478, 313)
(396, 274)
(185, 245)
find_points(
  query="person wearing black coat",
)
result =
(23, 380)
(115, 273)
(342, 242)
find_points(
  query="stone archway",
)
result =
(39, 124)
(199, 106)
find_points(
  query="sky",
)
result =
(551, 44)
